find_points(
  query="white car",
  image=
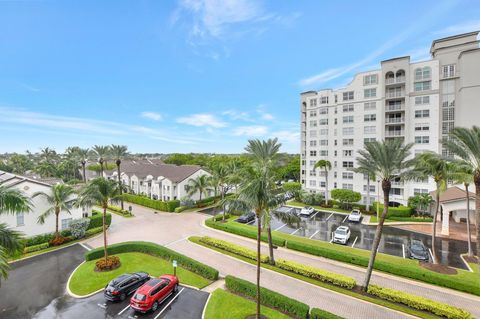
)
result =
(341, 235)
(355, 216)
(306, 211)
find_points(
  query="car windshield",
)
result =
(355, 212)
(139, 297)
(341, 231)
(418, 249)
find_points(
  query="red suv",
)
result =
(153, 292)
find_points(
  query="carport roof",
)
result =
(452, 194)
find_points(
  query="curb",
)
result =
(45, 252)
(70, 293)
(205, 307)
(467, 264)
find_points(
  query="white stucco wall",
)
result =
(181, 192)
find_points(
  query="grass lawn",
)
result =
(85, 280)
(374, 219)
(223, 302)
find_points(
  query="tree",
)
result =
(430, 164)
(59, 199)
(292, 169)
(465, 144)
(200, 184)
(102, 153)
(100, 191)
(346, 196)
(326, 166)
(293, 187)
(420, 202)
(387, 160)
(12, 201)
(218, 181)
(83, 155)
(118, 153)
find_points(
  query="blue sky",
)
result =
(193, 76)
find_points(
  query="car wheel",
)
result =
(123, 296)
(175, 289)
(155, 306)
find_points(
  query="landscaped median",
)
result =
(139, 256)
(464, 280)
(411, 304)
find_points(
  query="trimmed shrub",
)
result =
(312, 198)
(187, 201)
(119, 210)
(93, 231)
(168, 206)
(97, 220)
(267, 297)
(219, 217)
(418, 302)
(316, 313)
(112, 262)
(45, 238)
(60, 240)
(157, 251)
(236, 249)
(180, 209)
(318, 274)
(78, 227)
(207, 201)
(33, 248)
(400, 211)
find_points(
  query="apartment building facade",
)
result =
(418, 102)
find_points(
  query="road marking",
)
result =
(314, 234)
(296, 231)
(123, 310)
(329, 216)
(332, 238)
(311, 217)
(249, 223)
(403, 250)
(345, 219)
(168, 304)
(175, 241)
(354, 241)
(85, 246)
(431, 255)
(104, 306)
(280, 227)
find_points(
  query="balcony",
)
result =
(395, 107)
(395, 120)
(394, 94)
(395, 133)
(400, 79)
(397, 184)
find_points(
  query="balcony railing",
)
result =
(394, 94)
(395, 107)
(394, 120)
(394, 133)
(400, 79)
(397, 184)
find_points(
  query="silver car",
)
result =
(341, 235)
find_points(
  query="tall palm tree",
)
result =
(12, 201)
(83, 155)
(421, 202)
(326, 166)
(200, 184)
(219, 181)
(387, 160)
(71, 155)
(59, 199)
(465, 143)
(100, 191)
(102, 152)
(119, 152)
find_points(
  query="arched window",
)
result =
(400, 73)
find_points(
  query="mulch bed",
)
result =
(442, 269)
(470, 259)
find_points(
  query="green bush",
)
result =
(207, 201)
(219, 217)
(33, 248)
(93, 231)
(158, 251)
(168, 206)
(119, 210)
(400, 211)
(316, 313)
(97, 220)
(267, 297)
(418, 302)
(45, 238)
(180, 209)
(315, 273)
(236, 249)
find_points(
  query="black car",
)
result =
(418, 251)
(119, 288)
(246, 218)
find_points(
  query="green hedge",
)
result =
(267, 297)
(418, 302)
(93, 231)
(316, 313)
(180, 209)
(168, 206)
(33, 248)
(401, 211)
(44, 238)
(97, 219)
(219, 217)
(119, 210)
(236, 249)
(158, 251)
(315, 273)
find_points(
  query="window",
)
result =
(348, 119)
(324, 131)
(347, 96)
(347, 186)
(347, 164)
(313, 153)
(370, 79)
(323, 121)
(313, 113)
(422, 73)
(370, 117)
(448, 100)
(335, 121)
(421, 100)
(369, 140)
(323, 110)
(369, 106)
(323, 142)
(367, 93)
(334, 153)
(369, 129)
(422, 113)
(313, 143)
(447, 127)
(312, 163)
(335, 174)
(323, 184)
(313, 133)
(323, 153)
(324, 100)
(66, 223)
(422, 139)
(423, 86)
(347, 141)
(372, 188)
(313, 102)
(20, 219)
(313, 173)
(448, 114)
(313, 123)
(347, 131)
(313, 183)
(348, 108)
(347, 153)
(448, 71)
(420, 191)
(335, 142)
(347, 175)
(421, 127)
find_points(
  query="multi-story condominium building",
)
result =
(418, 102)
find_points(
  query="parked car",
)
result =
(288, 195)
(153, 293)
(246, 218)
(341, 235)
(418, 251)
(355, 216)
(119, 288)
(306, 211)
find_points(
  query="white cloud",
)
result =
(237, 115)
(287, 136)
(202, 120)
(151, 116)
(264, 115)
(253, 130)
(464, 27)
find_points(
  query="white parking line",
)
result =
(311, 217)
(104, 306)
(251, 222)
(296, 231)
(431, 255)
(280, 227)
(355, 241)
(314, 234)
(123, 310)
(345, 219)
(329, 216)
(403, 250)
(85, 246)
(332, 237)
(168, 304)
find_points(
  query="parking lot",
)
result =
(320, 226)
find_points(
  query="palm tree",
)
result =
(387, 160)
(326, 166)
(100, 191)
(12, 201)
(370, 176)
(119, 152)
(83, 155)
(218, 180)
(421, 202)
(102, 153)
(71, 155)
(465, 143)
(59, 199)
(200, 184)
